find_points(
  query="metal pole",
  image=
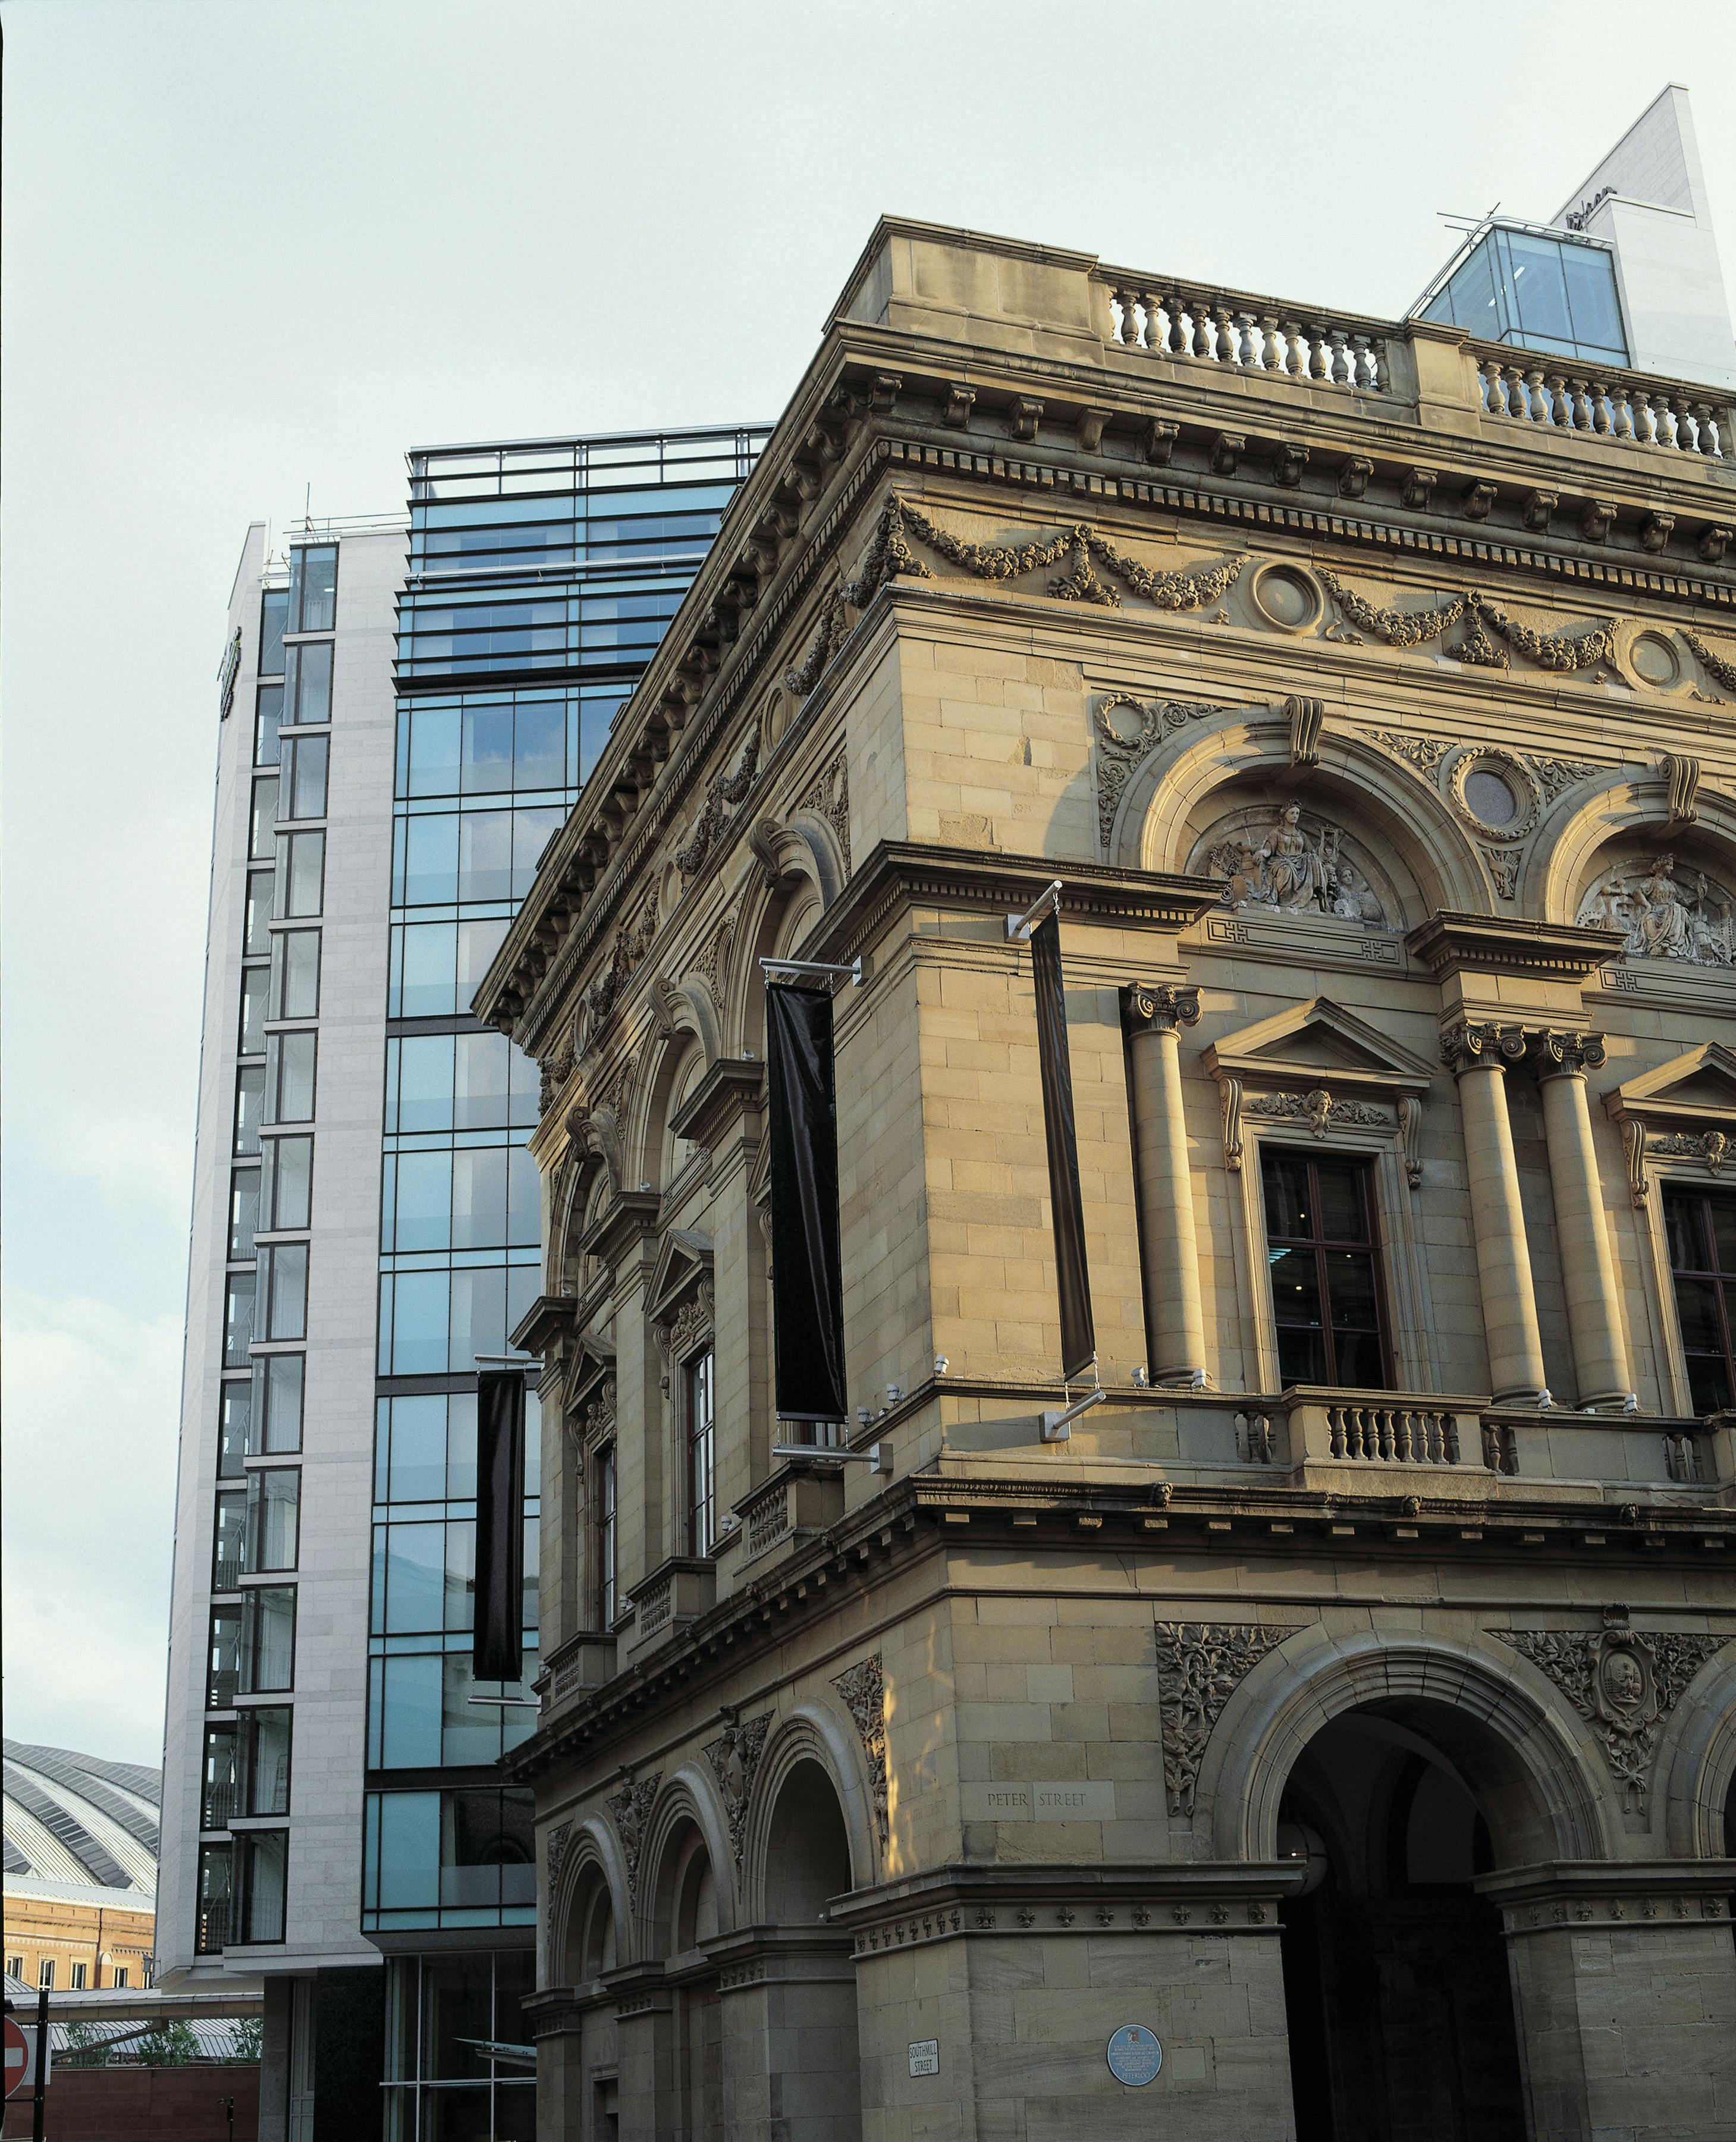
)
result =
(39, 2097)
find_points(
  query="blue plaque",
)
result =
(1135, 2055)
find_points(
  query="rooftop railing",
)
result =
(1236, 332)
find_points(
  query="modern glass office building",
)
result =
(409, 712)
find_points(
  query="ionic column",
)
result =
(1588, 1269)
(1478, 1056)
(1175, 1322)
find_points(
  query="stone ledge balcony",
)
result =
(676, 1593)
(800, 1498)
(582, 1664)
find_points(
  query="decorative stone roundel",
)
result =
(1495, 794)
(1655, 661)
(1286, 597)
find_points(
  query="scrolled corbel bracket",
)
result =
(1307, 719)
(1410, 1137)
(1681, 777)
(1229, 1092)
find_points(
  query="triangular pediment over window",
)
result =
(593, 1360)
(1315, 1043)
(683, 1263)
(1699, 1086)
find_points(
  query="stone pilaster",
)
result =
(1153, 1014)
(1478, 1055)
(1588, 1268)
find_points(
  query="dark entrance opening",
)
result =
(1395, 1971)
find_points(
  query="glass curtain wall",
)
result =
(542, 578)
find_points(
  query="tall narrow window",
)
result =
(211, 1922)
(273, 1518)
(243, 1212)
(288, 1081)
(701, 1455)
(261, 1864)
(227, 1558)
(268, 1640)
(262, 1761)
(309, 684)
(45, 1973)
(603, 1489)
(1702, 1234)
(265, 726)
(300, 876)
(303, 793)
(276, 1394)
(273, 616)
(251, 1040)
(287, 1191)
(222, 1667)
(238, 1319)
(295, 975)
(312, 588)
(1320, 1247)
(263, 827)
(217, 1797)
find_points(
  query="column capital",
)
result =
(1160, 1006)
(1556, 1053)
(1471, 1044)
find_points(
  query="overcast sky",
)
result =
(252, 248)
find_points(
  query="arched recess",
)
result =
(1533, 1767)
(588, 1913)
(783, 917)
(677, 1067)
(1696, 1763)
(829, 1742)
(1201, 770)
(578, 1198)
(1620, 825)
(686, 1816)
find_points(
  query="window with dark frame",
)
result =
(699, 1379)
(603, 1474)
(1700, 1228)
(1321, 1248)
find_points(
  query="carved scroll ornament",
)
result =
(1199, 1664)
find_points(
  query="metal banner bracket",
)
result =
(1048, 902)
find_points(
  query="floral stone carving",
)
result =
(631, 1807)
(1624, 1682)
(557, 1851)
(1660, 920)
(1294, 871)
(734, 1756)
(1199, 1664)
(863, 1688)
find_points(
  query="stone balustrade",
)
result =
(1530, 389)
(1171, 320)
(585, 1661)
(801, 1498)
(1395, 1427)
(1271, 339)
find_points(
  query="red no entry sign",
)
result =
(20, 2057)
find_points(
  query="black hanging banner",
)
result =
(500, 1634)
(1078, 1336)
(807, 1280)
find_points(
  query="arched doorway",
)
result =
(686, 1918)
(815, 2084)
(589, 2080)
(1396, 1978)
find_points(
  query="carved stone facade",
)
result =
(1404, 1079)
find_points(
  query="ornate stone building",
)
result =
(1351, 1700)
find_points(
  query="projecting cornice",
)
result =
(956, 357)
(898, 874)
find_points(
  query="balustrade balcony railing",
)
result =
(1530, 389)
(1234, 332)
(1171, 320)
